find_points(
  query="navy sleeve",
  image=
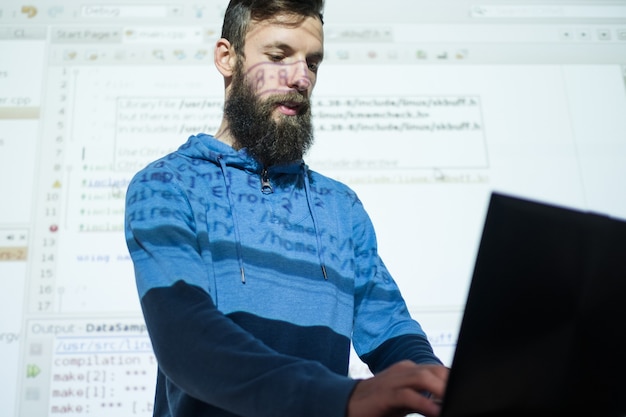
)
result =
(211, 359)
(413, 347)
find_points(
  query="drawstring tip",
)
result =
(243, 276)
(324, 272)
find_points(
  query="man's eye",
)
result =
(276, 58)
(313, 66)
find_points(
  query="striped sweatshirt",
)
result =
(254, 282)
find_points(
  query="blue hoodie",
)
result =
(253, 283)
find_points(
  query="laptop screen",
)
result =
(544, 328)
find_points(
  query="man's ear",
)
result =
(225, 57)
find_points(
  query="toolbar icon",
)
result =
(55, 11)
(604, 34)
(158, 54)
(32, 371)
(461, 54)
(29, 11)
(201, 54)
(421, 54)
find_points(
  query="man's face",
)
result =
(268, 108)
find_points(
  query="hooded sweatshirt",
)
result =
(253, 283)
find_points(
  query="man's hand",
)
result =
(398, 391)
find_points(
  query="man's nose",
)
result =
(300, 78)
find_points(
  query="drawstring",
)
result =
(307, 192)
(235, 222)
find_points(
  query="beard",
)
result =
(252, 124)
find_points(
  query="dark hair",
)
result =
(240, 13)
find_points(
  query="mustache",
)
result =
(291, 99)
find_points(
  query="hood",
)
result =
(207, 147)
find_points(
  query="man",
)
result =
(254, 272)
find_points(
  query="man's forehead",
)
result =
(286, 21)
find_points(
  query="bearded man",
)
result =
(256, 274)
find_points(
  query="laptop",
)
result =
(544, 328)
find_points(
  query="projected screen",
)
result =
(423, 108)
